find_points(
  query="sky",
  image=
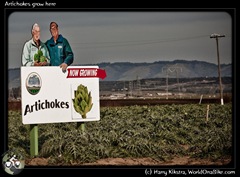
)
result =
(128, 36)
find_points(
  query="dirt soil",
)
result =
(136, 161)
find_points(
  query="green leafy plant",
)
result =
(160, 132)
(38, 57)
(82, 101)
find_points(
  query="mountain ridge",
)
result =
(120, 71)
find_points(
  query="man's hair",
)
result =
(34, 26)
(53, 23)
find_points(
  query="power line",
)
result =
(107, 44)
(132, 43)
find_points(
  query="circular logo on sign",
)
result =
(13, 162)
(33, 83)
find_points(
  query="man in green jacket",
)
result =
(32, 47)
(59, 49)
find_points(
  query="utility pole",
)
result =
(138, 87)
(130, 88)
(171, 69)
(216, 36)
(167, 84)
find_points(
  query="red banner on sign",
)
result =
(86, 72)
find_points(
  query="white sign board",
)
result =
(49, 95)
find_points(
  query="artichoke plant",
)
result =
(38, 57)
(82, 101)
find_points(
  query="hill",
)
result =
(178, 68)
(126, 71)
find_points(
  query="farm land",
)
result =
(172, 134)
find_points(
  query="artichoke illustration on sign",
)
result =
(82, 101)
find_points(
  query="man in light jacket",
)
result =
(32, 47)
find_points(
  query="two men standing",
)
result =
(57, 49)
